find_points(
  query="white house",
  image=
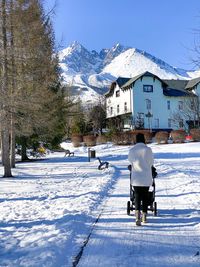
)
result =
(148, 102)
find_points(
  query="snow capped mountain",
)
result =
(75, 59)
(90, 73)
(134, 61)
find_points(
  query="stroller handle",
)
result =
(154, 173)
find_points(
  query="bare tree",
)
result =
(97, 118)
(190, 113)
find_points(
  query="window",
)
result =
(181, 123)
(117, 93)
(147, 88)
(117, 108)
(168, 104)
(192, 104)
(148, 104)
(156, 123)
(125, 106)
(139, 123)
(180, 105)
(111, 110)
(170, 123)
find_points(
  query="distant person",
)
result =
(141, 158)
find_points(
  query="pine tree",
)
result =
(32, 98)
(38, 74)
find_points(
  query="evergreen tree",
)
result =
(32, 99)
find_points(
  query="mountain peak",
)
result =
(76, 46)
(117, 46)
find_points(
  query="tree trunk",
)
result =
(12, 146)
(24, 147)
(13, 87)
(5, 131)
(2, 152)
(6, 154)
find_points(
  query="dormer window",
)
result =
(117, 93)
(147, 88)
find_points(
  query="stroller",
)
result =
(152, 205)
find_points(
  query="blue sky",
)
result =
(164, 28)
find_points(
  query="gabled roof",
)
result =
(120, 81)
(128, 84)
(192, 83)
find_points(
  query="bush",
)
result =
(89, 140)
(178, 136)
(195, 133)
(101, 139)
(148, 137)
(77, 139)
(127, 138)
(117, 139)
(41, 150)
(132, 137)
(123, 138)
(162, 137)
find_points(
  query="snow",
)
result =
(91, 70)
(134, 62)
(63, 211)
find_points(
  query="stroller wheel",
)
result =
(155, 208)
(128, 207)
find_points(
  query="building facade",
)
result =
(148, 102)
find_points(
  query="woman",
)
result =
(141, 158)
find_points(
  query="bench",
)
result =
(102, 164)
(69, 153)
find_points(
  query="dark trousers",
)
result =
(141, 197)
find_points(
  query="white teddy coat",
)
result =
(141, 158)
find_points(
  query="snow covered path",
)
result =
(170, 239)
(51, 207)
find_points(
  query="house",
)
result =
(148, 102)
